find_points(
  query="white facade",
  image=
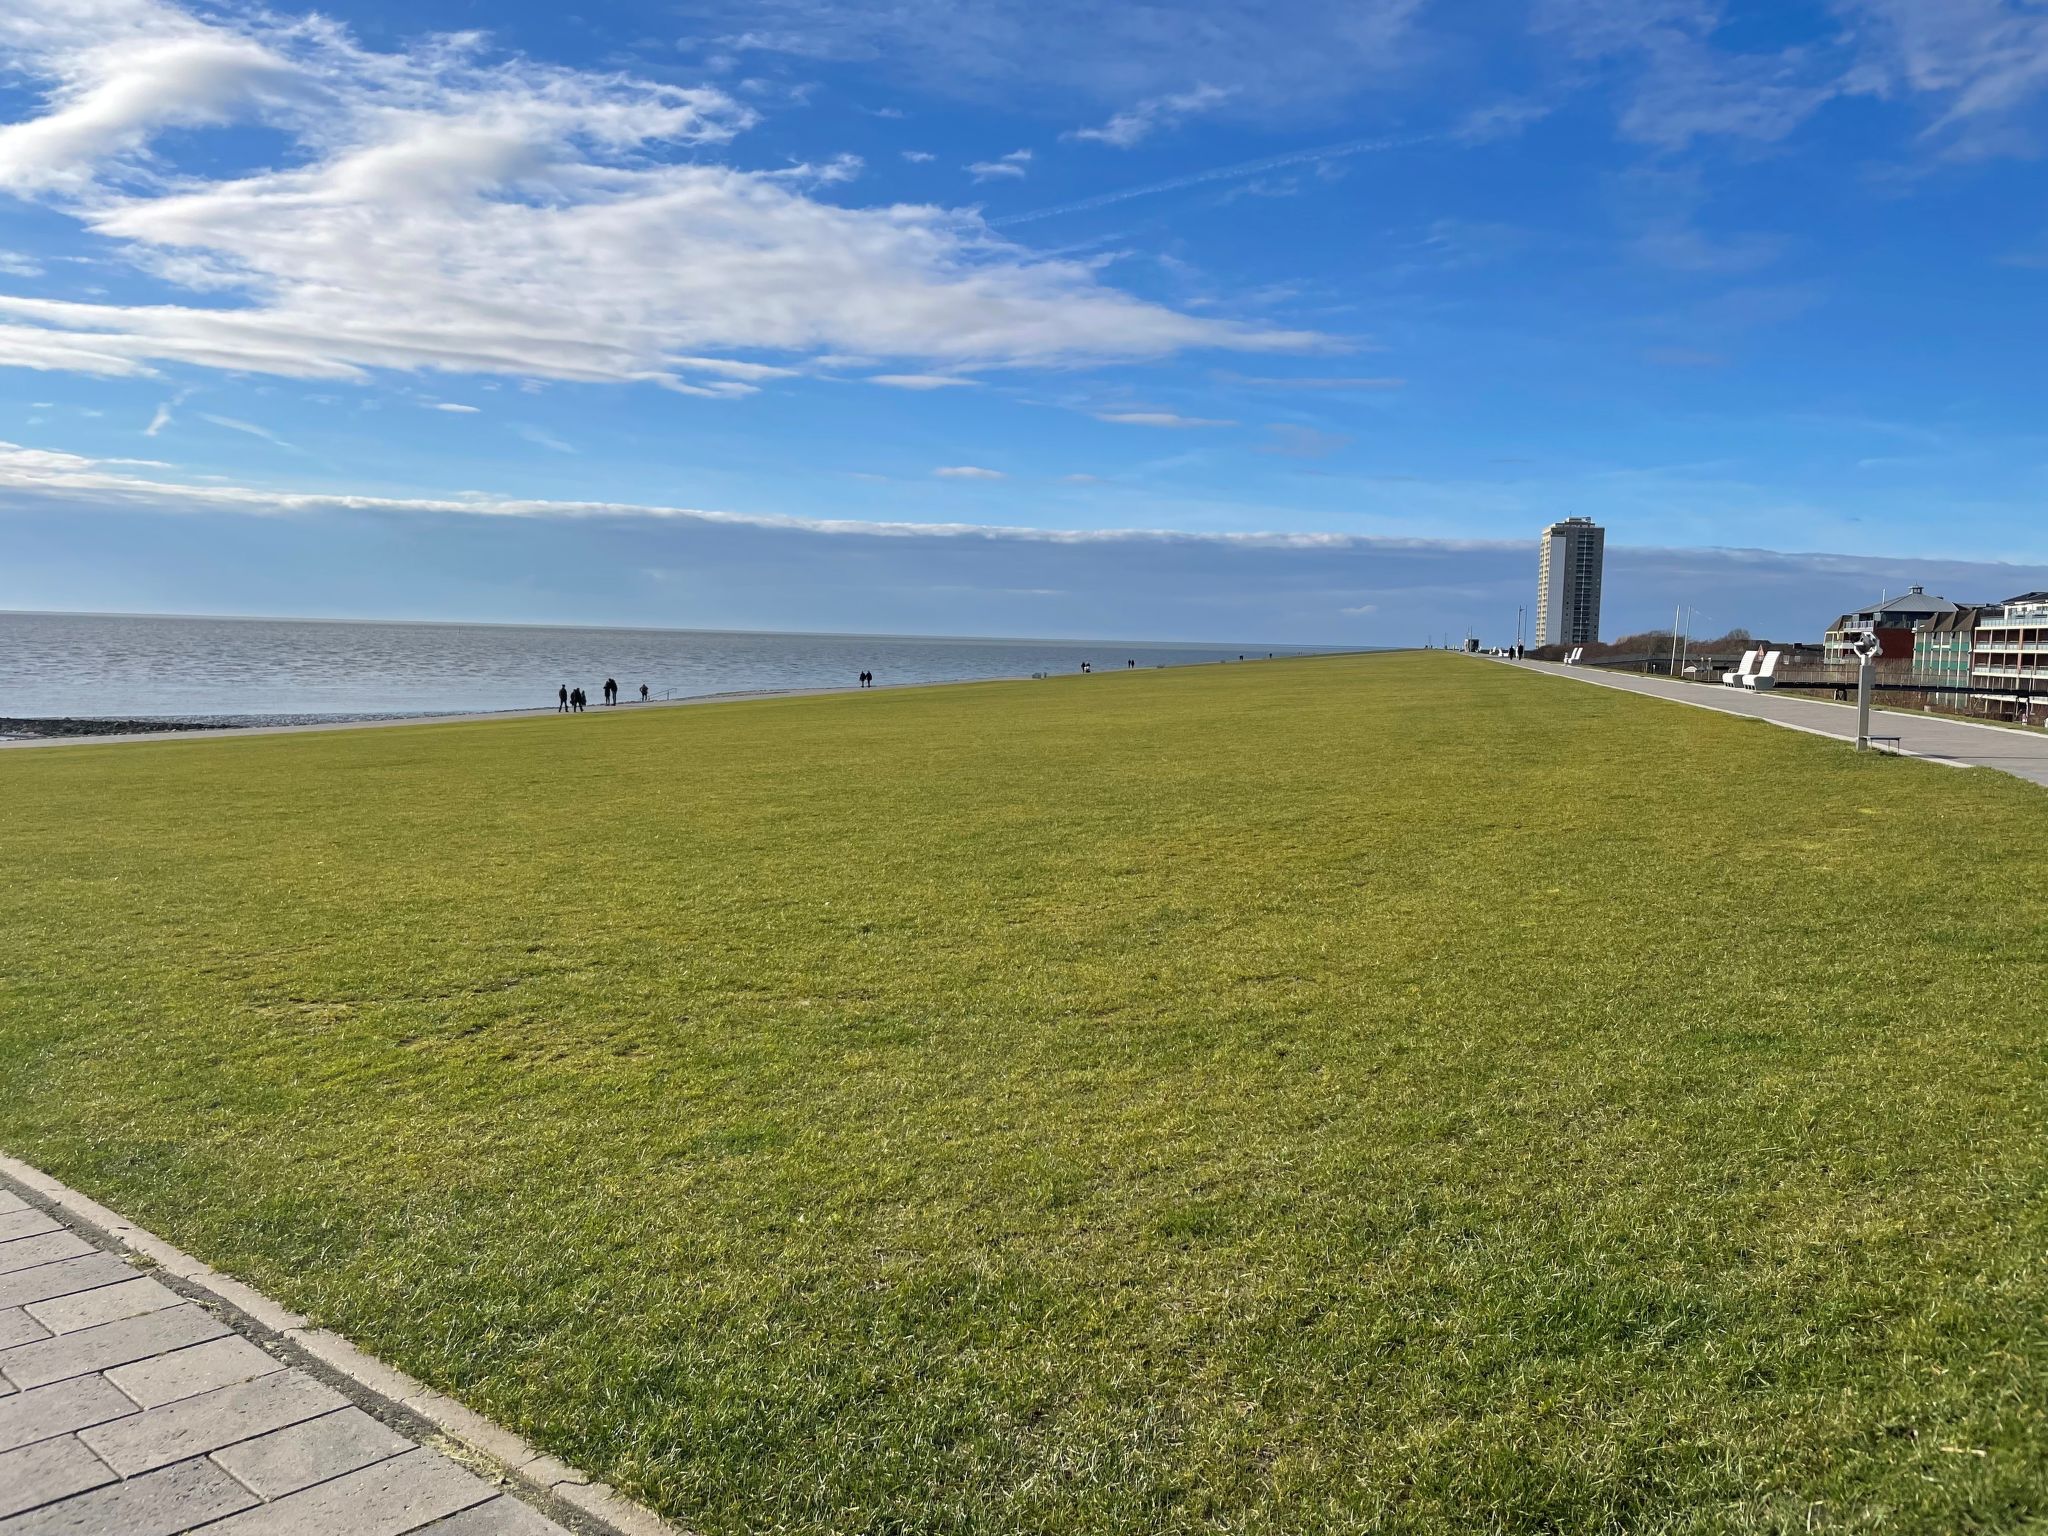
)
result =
(1568, 583)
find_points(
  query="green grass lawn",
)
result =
(1377, 1093)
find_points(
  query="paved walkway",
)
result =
(1957, 743)
(128, 1408)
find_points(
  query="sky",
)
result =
(1219, 320)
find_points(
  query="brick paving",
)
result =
(129, 1409)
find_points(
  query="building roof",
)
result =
(1961, 621)
(1899, 612)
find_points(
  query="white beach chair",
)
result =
(1739, 678)
(1575, 655)
(1766, 676)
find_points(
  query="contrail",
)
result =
(1227, 173)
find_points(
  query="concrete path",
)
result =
(130, 1406)
(1956, 743)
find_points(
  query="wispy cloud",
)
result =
(1159, 419)
(1141, 121)
(1345, 150)
(165, 413)
(922, 380)
(492, 180)
(1364, 385)
(968, 472)
(248, 428)
(919, 156)
(454, 408)
(1015, 164)
(541, 437)
(1295, 441)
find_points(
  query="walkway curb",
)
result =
(505, 1454)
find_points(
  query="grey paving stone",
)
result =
(62, 1278)
(193, 1426)
(79, 1403)
(17, 1327)
(156, 1504)
(190, 1372)
(503, 1516)
(10, 1201)
(286, 1460)
(26, 1223)
(27, 1252)
(48, 1470)
(392, 1497)
(110, 1344)
(103, 1304)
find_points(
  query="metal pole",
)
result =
(1866, 669)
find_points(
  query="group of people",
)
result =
(867, 679)
(572, 701)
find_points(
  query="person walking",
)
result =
(611, 691)
(643, 693)
(562, 699)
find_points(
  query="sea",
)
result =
(251, 671)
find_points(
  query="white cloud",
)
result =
(1015, 163)
(919, 156)
(532, 222)
(136, 69)
(1159, 419)
(1140, 122)
(922, 380)
(450, 405)
(968, 472)
(14, 264)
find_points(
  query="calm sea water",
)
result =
(97, 665)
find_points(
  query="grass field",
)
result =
(1394, 1093)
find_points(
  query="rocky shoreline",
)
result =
(41, 727)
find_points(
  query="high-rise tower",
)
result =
(1568, 583)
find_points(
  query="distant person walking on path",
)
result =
(576, 701)
(611, 690)
(643, 693)
(867, 679)
(562, 699)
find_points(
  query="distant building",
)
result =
(1892, 621)
(1568, 583)
(1945, 645)
(2009, 665)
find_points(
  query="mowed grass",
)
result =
(1388, 1093)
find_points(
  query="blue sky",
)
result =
(1214, 320)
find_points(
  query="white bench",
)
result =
(1744, 669)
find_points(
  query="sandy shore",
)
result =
(179, 731)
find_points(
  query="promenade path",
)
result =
(1957, 743)
(132, 1405)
